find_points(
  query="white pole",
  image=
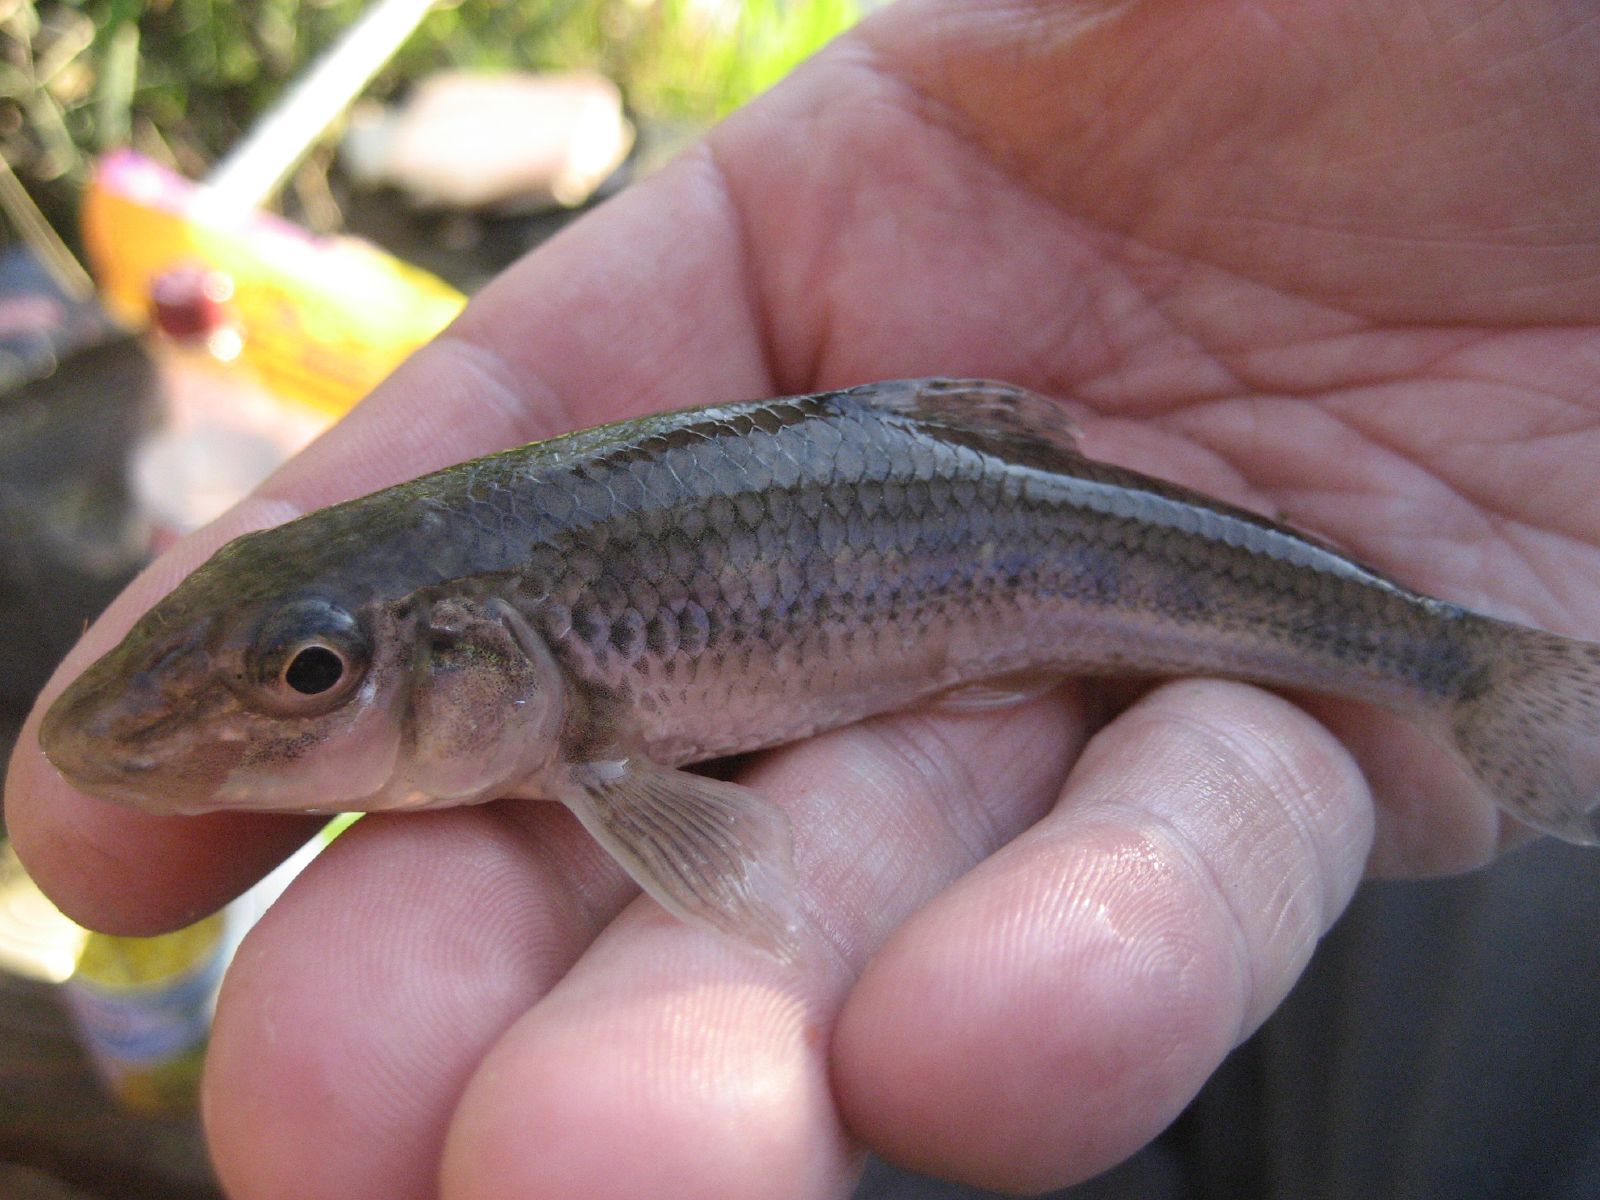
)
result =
(253, 170)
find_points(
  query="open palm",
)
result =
(1335, 261)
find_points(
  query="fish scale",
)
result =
(865, 566)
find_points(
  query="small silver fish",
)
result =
(577, 619)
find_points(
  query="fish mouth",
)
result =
(79, 737)
(120, 741)
(164, 776)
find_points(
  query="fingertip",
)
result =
(673, 1061)
(1040, 1022)
(1431, 818)
(1058, 1007)
(1257, 788)
(356, 1010)
(660, 1082)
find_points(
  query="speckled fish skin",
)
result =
(695, 584)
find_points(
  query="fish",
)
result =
(583, 618)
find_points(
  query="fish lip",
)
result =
(88, 765)
(81, 736)
(60, 735)
(82, 758)
(114, 788)
(111, 723)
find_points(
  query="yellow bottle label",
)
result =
(323, 319)
(144, 1008)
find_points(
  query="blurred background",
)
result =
(184, 81)
(220, 225)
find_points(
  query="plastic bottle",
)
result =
(143, 1008)
(142, 1005)
(224, 432)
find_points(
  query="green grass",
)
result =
(181, 80)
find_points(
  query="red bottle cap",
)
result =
(188, 302)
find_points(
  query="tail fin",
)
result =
(1530, 728)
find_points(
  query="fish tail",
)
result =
(1528, 726)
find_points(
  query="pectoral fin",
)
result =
(711, 852)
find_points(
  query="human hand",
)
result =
(1331, 260)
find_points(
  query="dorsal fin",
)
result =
(1032, 430)
(997, 418)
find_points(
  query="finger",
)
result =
(1432, 817)
(1055, 1009)
(601, 324)
(355, 1011)
(672, 1062)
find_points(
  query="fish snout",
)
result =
(74, 732)
(95, 735)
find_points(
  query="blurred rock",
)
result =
(503, 142)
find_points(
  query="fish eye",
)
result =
(308, 656)
(314, 670)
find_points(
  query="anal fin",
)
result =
(712, 852)
(1001, 692)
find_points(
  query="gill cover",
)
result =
(486, 705)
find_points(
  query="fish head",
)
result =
(300, 698)
(277, 701)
